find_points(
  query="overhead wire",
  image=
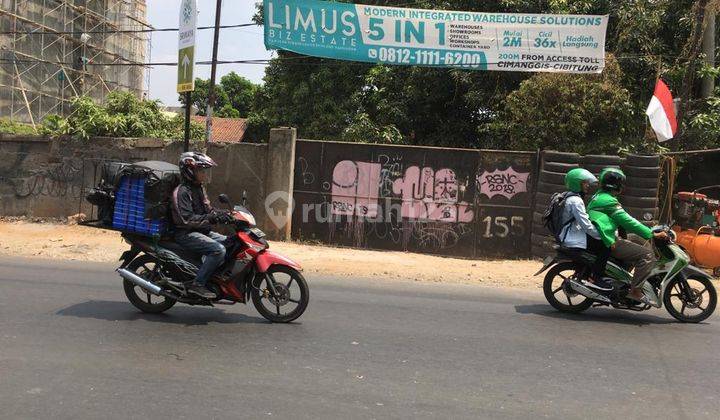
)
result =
(295, 60)
(120, 31)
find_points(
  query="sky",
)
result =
(235, 43)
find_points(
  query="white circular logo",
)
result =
(187, 11)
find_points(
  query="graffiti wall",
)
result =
(44, 178)
(445, 201)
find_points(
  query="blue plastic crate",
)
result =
(129, 212)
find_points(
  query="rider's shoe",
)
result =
(598, 284)
(642, 298)
(201, 291)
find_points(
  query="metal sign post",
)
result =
(186, 58)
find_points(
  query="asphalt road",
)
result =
(72, 347)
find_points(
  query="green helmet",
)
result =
(575, 178)
(612, 179)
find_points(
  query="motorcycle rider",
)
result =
(608, 215)
(579, 233)
(193, 217)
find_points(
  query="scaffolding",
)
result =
(61, 49)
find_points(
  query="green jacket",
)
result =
(607, 214)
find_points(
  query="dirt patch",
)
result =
(72, 242)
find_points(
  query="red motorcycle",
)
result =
(156, 273)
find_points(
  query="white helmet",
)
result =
(190, 161)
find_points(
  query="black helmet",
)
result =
(190, 161)
(612, 179)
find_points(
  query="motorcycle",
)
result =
(687, 292)
(156, 274)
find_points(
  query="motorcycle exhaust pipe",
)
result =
(587, 292)
(139, 281)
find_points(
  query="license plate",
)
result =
(257, 232)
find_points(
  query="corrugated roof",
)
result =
(225, 130)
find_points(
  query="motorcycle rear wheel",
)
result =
(552, 287)
(143, 266)
(704, 298)
(292, 291)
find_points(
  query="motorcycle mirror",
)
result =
(244, 197)
(223, 198)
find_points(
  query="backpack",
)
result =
(552, 218)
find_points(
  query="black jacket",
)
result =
(191, 209)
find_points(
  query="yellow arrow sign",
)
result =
(186, 69)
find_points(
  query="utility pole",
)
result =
(708, 84)
(213, 73)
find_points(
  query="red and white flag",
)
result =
(661, 112)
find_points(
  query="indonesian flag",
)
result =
(662, 112)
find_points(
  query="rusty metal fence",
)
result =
(467, 203)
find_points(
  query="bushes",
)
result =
(123, 116)
(579, 113)
(12, 127)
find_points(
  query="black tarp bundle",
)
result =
(161, 179)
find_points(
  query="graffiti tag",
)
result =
(431, 195)
(506, 183)
(355, 188)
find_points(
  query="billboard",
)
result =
(437, 38)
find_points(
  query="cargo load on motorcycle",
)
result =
(135, 197)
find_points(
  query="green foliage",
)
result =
(363, 129)
(11, 127)
(240, 91)
(55, 125)
(583, 113)
(704, 126)
(235, 96)
(258, 128)
(123, 116)
(650, 147)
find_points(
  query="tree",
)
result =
(235, 96)
(582, 113)
(240, 92)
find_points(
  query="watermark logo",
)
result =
(279, 206)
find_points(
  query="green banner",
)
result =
(438, 38)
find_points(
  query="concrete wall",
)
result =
(49, 177)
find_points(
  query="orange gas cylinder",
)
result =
(702, 245)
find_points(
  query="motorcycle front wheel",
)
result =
(558, 293)
(291, 299)
(690, 300)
